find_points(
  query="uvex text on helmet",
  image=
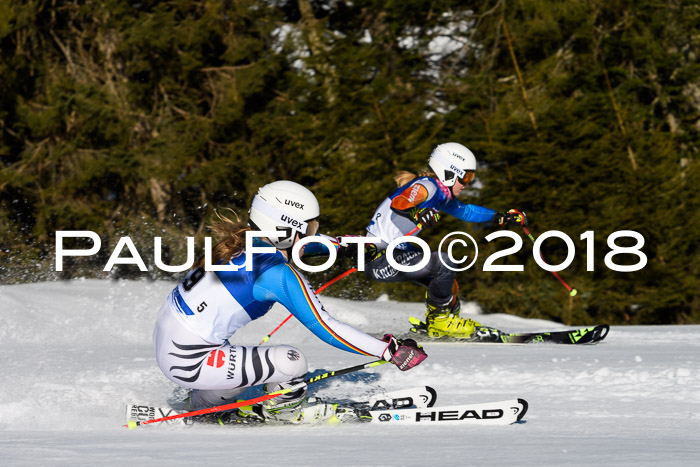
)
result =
(450, 161)
(284, 207)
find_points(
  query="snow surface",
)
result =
(75, 353)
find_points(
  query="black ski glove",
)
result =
(347, 250)
(426, 217)
(512, 217)
(405, 353)
(350, 250)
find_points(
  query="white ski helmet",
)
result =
(287, 207)
(451, 161)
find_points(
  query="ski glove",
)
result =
(426, 217)
(512, 217)
(405, 353)
(347, 250)
(350, 250)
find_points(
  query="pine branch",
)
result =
(630, 153)
(520, 76)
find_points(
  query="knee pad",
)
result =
(289, 361)
(444, 266)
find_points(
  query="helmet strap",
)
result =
(447, 191)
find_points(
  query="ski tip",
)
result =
(522, 413)
(433, 396)
(601, 332)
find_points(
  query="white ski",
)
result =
(141, 413)
(491, 413)
(422, 396)
(419, 397)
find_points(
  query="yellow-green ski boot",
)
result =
(444, 321)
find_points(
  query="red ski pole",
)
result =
(132, 424)
(330, 282)
(572, 291)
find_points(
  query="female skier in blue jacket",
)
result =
(201, 315)
(418, 201)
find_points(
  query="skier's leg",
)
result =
(442, 303)
(204, 398)
(443, 280)
(240, 367)
(436, 276)
(218, 373)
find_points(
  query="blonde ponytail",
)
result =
(231, 239)
(404, 176)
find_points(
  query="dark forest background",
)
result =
(140, 118)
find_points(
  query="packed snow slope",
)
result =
(75, 353)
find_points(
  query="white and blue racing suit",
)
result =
(203, 312)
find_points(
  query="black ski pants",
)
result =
(435, 276)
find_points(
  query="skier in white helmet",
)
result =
(201, 315)
(418, 201)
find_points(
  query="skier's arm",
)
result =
(319, 249)
(283, 284)
(409, 199)
(468, 212)
(407, 203)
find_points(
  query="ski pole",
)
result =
(572, 292)
(314, 379)
(329, 283)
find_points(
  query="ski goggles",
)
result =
(311, 228)
(468, 177)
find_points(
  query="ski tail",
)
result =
(140, 413)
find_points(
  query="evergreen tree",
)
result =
(140, 118)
